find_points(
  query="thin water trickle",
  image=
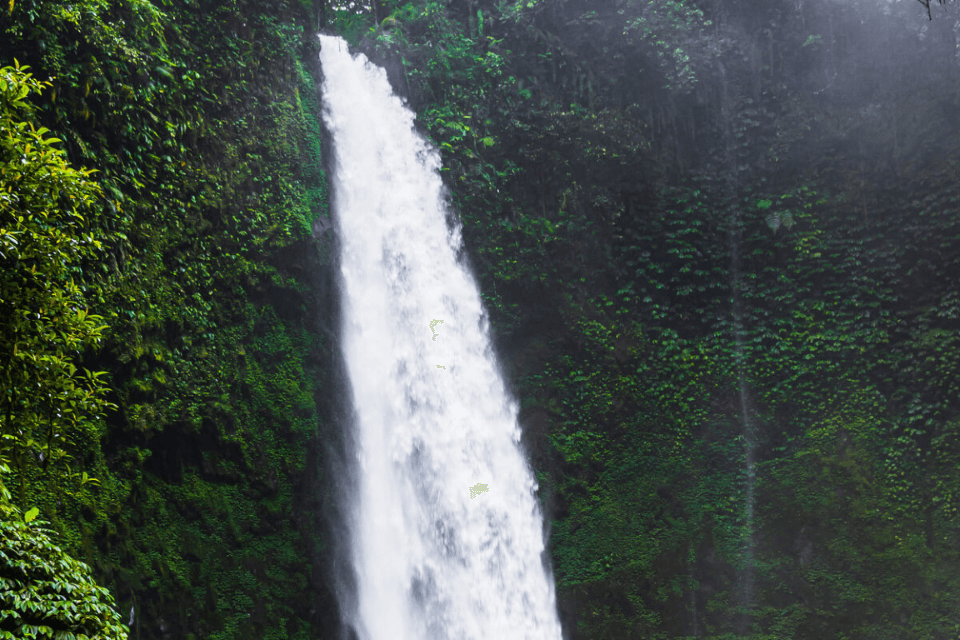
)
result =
(434, 557)
(749, 431)
(747, 575)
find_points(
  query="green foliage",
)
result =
(669, 30)
(689, 261)
(47, 218)
(203, 125)
(46, 594)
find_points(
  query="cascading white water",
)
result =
(436, 557)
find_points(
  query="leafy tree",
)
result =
(44, 593)
(47, 403)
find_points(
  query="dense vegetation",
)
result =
(179, 269)
(716, 239)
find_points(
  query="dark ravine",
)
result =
(588, 149)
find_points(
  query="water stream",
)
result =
(446, 535)
(747, 573)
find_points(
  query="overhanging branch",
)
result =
(926, 3)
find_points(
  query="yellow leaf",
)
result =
(11, 6)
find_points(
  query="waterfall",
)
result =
(446, 535)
